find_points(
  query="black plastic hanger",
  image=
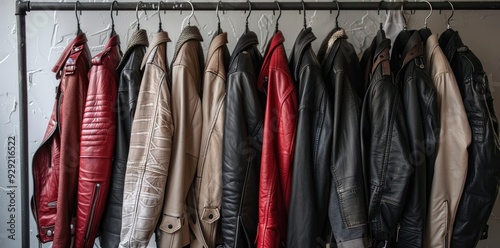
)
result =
(425, 32)
(78, 30)
(304, 9)
(113, 32)
(279, 16)
(249, 12)
(449, 32)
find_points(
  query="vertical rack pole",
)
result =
(23, 120)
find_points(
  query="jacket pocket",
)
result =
(170, 224)
(95, 198)
(210, 215)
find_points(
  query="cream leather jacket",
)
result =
(150, 146)
(451, 161)
(187, 72)
(207, 188)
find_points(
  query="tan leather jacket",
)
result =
(187, 74)
(150, 145)
(451, 159)
(207, 187)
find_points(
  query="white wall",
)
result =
(48, 33)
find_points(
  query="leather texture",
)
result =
(422, 122)
(207, 191)
(129, 82)
(278, 147)
(242, 145)
(97, 143)
(347, 207)
(150, 149)
(56, 161)
(483, 173)
(451, 160)
(385, 146)
(308, 215)
(187, 74)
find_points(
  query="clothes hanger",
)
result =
(304, 9)
(113, 32)
(336, 17)
(425, 32)
(78, 30)
(380, 33)
(449, 32)
(190, 15)
(137, 15)
(404, 35)
(279, 16)
(219, 29)
(249, 12)
(159, 17)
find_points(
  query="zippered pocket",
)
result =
(97, 190)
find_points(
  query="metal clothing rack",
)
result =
(22, 7)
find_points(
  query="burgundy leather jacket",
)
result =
(97, 143)
(56, 161)
(278, 145)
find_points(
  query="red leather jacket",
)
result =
(97, 143)
(55, 163)
(278, 145)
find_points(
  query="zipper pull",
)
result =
(397, 232)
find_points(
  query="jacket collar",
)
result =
(80, 39)
(414, 48)
(160, 37)
(453, 45)
(276, 41)
(138, 38)
(112, 43)
(304, 39)
(218, 41)
(245, 41)
(187, 34)
(330, 47)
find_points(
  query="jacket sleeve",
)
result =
(187, 116)
(389, 168)
(242, 143)
(148, 160)
(347, 210)
(307, 218)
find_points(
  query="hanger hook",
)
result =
(430, 12)
(304, 10)
(249, 12)
(403, 14)
(217, 12)
(192, 12)
(279, 16)
(111, 14)
(452, 13)
(137, 14)
(159, 16)
(76, 14)
(378, 13)
(338, 13)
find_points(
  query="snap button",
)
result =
(49, 233)
(71, 226)
(170, 226)
(211, 216)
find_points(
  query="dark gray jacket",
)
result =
(242, 145)
(483, 174)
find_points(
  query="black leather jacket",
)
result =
(307, 217)
(483, 174)
(385, 147)
(129, 83)
(242, 145)
(347, 211)
(422, 123)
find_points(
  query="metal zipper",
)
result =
(96, 195)
(397, 232)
